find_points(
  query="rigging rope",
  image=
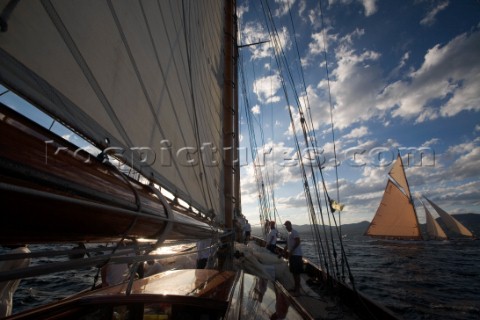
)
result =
(262, 197)
(310, 140)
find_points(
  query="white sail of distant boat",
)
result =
(434, 231)
(450, 222)
(396, 217)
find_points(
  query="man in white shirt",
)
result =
(272, 237)
(248, 230)
(293, 251)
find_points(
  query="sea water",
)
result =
(416, 280)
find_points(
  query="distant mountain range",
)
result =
(353, 230)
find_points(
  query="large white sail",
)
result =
(434, 230)
(141, 77)
(452, 224)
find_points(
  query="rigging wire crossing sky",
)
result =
(387, 76)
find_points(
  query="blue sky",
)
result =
(403, 75)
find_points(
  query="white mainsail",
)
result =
(452, 224)
(396, 217)
(434, 230)
(143, 78)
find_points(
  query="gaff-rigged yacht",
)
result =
(396, 217)
(150, 87)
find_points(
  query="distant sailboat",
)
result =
(396, 217)
(450, 222)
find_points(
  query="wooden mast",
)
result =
(236, 152)
(228, 113)
(229, 129)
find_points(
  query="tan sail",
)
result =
(434, 230)
(451, 223)
(395, 217)
(398, 174)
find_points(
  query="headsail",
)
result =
(396, 217)
(434, 230)
(452, 224)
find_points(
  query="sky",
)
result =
(388, 76)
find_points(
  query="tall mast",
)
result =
(229, 112)
(229, 116)
(236, 122)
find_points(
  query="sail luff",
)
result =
(451, 223)
(433, 228)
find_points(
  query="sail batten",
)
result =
(124, 72)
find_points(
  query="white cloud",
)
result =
(466, 158)
(254, 32)
(283, 40)
(314, 107)
(403, 62)
(314, 18)
(266, 88)
(301, 7)
(429, 18)
(241, 10)
(256, 109)
(369, 6)
(319, 44)
(431, 142)
(283, 7)
(445, 84)
(354, 85)
(449, 73)
(275, 163)
(357, 133)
